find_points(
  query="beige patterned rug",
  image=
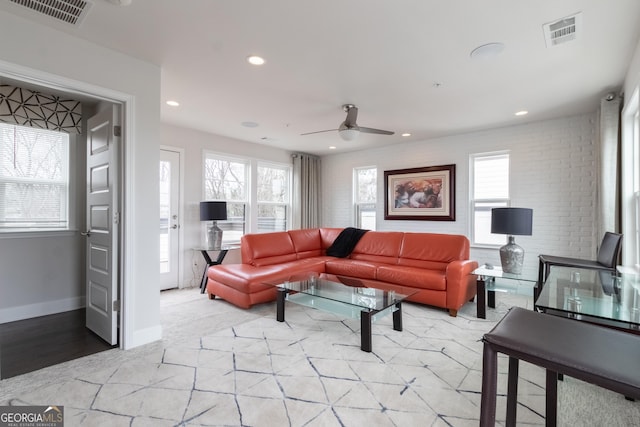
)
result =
(219, 365)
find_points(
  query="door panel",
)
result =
(102, 225)
(169, 219)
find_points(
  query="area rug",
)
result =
(310, 371)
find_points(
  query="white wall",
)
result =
(552, 172)
(44, 54)
(194, 143)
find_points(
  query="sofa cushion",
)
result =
(267, 248)
(378, 247)
(328, 236)
(413, 277)
(432, 251)
(306, 242)
(246, 278)
(349, 267)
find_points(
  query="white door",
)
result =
(169, 219)
(102, 224)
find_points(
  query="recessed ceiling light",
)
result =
(255, 60)
(332, 147)
(406, 134)
(522, 113)
(250, 124)
(486, 51)
(173, 103)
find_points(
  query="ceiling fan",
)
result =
(349, 129)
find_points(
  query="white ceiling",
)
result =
(405, 63)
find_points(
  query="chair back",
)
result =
(610, 249)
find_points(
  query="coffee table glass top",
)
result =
(359, 293)
(612, 298)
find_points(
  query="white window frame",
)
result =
(286, 203)
(227, 238)
(630, 180)
(496, 202)
(251, 179)
(68, 182)
(364, 206)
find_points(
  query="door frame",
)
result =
(125, 247)
(181, 152)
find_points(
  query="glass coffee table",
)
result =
(602, 297)
(344, 296)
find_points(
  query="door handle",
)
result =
(85, 233)
(174, 226)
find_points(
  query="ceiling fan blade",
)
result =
(319, 131)
(378, 131)
(352, 115)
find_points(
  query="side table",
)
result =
(222, 252)
(487, 286)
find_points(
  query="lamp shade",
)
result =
(512, 221)
(213, 211)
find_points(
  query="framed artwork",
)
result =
(426, 194)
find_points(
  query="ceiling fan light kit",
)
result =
(349, 134)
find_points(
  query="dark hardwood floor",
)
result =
(32, 344)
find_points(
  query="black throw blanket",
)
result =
(345, 242)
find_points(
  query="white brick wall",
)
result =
(552, 171)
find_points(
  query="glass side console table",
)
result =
(597, 296)
(487, 286)
(222, 252)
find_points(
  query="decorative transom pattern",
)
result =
(29, 108)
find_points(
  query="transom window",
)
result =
(34, 179)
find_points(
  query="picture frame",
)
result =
(420, 194)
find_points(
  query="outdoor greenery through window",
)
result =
(34, 179)
(489, 189)
(366, 189)
(227, 180)
(257, 194)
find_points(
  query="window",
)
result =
(489, 189)
(273, 198)
(366, 188)
(636, 185)
(227, 179)
(257, 194)
(34, 179)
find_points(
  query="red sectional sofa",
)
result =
(437, 265)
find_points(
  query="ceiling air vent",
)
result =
(67, 11)
(562, 31)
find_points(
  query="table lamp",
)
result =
(511, 221)
(214, 212)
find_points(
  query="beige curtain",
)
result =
(608, 189)
(306, 191)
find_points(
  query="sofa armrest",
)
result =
(461, 284)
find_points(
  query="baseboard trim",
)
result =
(22, 312)
(145, 336)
